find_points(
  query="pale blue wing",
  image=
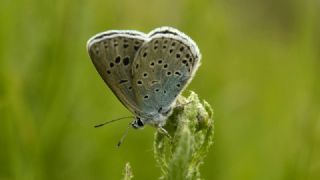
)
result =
(162, 68)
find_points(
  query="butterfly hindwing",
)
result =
(112, 54)
(162, 68)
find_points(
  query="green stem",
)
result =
(191, 129)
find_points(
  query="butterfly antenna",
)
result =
(111, 121)
(124, 136)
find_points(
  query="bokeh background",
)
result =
(260, 71)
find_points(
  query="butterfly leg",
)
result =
(163, 131)
(181, 106)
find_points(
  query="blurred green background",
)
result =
(260, 71)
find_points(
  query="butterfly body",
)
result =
(147, 72)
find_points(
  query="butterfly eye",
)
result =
(140, 123)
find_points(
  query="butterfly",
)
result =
(146, 72)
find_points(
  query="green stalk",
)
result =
(191, 130)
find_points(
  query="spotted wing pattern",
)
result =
(112, 53)
(162, 68)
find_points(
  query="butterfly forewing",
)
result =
(112, 54)
(162, 68)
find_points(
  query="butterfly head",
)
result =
(137, 123)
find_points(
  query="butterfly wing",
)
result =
(112, 53)
(162, 68)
